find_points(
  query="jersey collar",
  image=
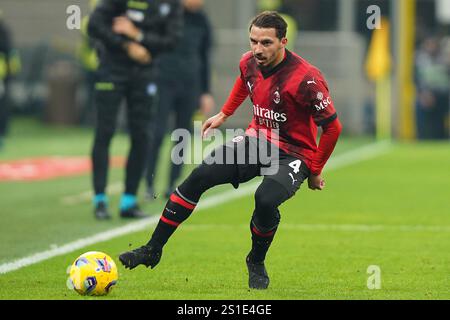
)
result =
(267, 73)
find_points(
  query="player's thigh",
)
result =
(269, 195)
(239, 153)
(219, 167)
(291, 173)
(208, 175)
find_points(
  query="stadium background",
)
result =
(330, 31)
(393, 202)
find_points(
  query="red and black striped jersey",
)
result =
(293, 98)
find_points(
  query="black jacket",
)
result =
(5, 48)
(160, 21)
(190, 60)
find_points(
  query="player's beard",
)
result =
(260, 59)
(268, 63)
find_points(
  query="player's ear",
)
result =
(284, 41)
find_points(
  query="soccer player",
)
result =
(290, 100)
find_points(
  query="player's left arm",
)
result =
(328, 140)
(325, 116)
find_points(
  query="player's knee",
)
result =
(266, 221)
(198, 182)
(270, 195)
(264, 201)
(266, 215)
(202, 175)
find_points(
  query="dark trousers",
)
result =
(430, 121)
(87, 112)
(138, 89)
(4, 108)
(180, 99)
(271, 193)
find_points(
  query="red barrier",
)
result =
(46, 168)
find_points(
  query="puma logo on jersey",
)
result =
(311, 82)
(292, 177)
(250, 87)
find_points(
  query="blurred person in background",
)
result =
(130, 35)
(184, 87)
(446, 52)
(9, 66)
(88, 58)
(432, 82)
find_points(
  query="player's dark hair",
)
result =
(268, 20)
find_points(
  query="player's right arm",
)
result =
(213, 123)
(236, 98)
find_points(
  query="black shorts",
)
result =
(252, 157)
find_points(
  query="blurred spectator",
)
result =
(130, 34)
(88, 58)
(9, 66)
(369, 125)
(432, 81)
(184, 86)
(313, 15)
(446, 53)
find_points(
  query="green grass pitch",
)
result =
(391, 211)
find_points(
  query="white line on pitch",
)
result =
(86, 196)
(117, 232)
(339, 161)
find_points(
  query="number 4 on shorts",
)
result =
(295, 165)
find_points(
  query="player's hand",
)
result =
(123, 25)
(138, 53)
(316, 182)
(213, 123)
(206, 104)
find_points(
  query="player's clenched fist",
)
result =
(316, 182)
